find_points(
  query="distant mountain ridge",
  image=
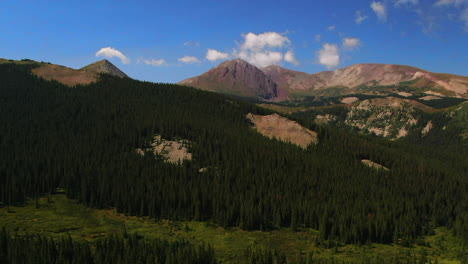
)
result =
(352, 79)
(69, 76)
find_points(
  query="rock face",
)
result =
(294, 81)
(104, 66)
(235, 77)
(276, 126)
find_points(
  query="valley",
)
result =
(347, 178)
(234, 132)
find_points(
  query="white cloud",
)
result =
(155, 62)
(329, 56)
(189, 59)
(360, 17)
(406, 2)
(462, 6)
(263, 49)
(262, 58)
(289, 57)
(214, 55)
(427, 22)
(351, 43)
(265, 40)
(318, 38)
(380, 10)
(450, 2)
(110, 52)
(464, 18)
(192, 43)
(331, 28)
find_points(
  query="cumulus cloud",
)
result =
(351, 43)
(450, 2)
(262, 58)
(360, 17)
(189, 59)
(331, 28)
(406, 2)
(155, 62)
(329, 56)
(110, 52)
(263, 49)
(265, 40)
(380, 10)
(289, 57)
(214, 55)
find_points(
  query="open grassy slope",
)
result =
(57, 216)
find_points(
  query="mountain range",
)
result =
(392, 101)
(275, 83)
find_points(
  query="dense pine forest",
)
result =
(126, 249)
(82, 139)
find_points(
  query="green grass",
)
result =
(61, 216)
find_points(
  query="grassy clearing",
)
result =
(60, 216)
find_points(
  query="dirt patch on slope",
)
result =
(429, 98)
(349, 100)
(65, 75)
(276, 126)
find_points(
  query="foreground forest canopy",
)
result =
(83, 139)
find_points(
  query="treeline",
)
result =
(268, 256)
(36, 249)
(83, 139)
(258, 255)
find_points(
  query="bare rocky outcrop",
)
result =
(172, 151)
(325, 119)
(427, 128)
(281, 128)
(389, 117)
(371, 164)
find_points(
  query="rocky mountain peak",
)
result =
(104, 66)
(236, 77)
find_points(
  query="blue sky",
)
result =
(167, 41)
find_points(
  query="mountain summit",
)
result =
(235, 77)
(104, 66)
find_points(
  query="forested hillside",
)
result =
(83, 139)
